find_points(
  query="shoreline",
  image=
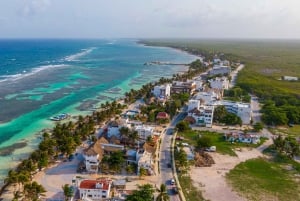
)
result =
(90, 113)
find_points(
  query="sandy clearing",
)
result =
(211, 180)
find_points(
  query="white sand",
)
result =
(211, 180)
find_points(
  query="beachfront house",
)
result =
(113, 127)
(183, 87)
(162, 91)
(93, 155)
(98, 189)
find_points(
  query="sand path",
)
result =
(211, 180)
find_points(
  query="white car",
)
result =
(172, 182)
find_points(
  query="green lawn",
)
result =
(190, 192)
(217, 140)
(259, 179)
(291, 131)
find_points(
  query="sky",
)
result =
(149, 19)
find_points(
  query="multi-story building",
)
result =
(193, 104)
(207, 97)
(95, 189)
(202, 115)
(144, 131)
(219, 83)
(243, 110)
(183, 87)
(162, 91)
(94, 153)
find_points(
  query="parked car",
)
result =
(172, 182)
(179, 138)
(169, 165)
(71, 157)
(211, 149)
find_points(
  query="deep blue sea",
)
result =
(42, 78)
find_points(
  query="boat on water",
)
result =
(60, 117)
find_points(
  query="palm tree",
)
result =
(163, 194)
(33, 191)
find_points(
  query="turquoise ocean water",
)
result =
(42, 78)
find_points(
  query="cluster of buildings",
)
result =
(200, 113)
(206, 95)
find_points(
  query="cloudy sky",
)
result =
(149, 18)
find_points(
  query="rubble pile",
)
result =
(203, 159)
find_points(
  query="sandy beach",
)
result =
(211, 180)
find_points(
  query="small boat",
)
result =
(60, 117)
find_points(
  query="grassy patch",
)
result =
(290, 131)
(259, 179)
(217, 139)
(190, 192)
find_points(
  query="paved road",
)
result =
(234, 74)
(256, 115)
(165, 157)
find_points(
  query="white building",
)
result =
(93, 155)
(113, 128)
(219, 83)
(193, 104)
(144, 131)
(95, 189)
(207, 97)
(162, 91)
(145, 160)
(219, 69)
(290, 78)
(243, 110)
(203, 115)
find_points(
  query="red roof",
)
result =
(91, 184)
(162, 115)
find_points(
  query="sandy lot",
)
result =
(211, 180)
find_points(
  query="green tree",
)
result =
(219, 113)
(143, 193)
(204, 142)
(33, 191)
(183, 126)
(163, 194)
(116, 160)
(279, 143)
(291, 147)
(258, 126)
(143, 172)
(68, 191)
